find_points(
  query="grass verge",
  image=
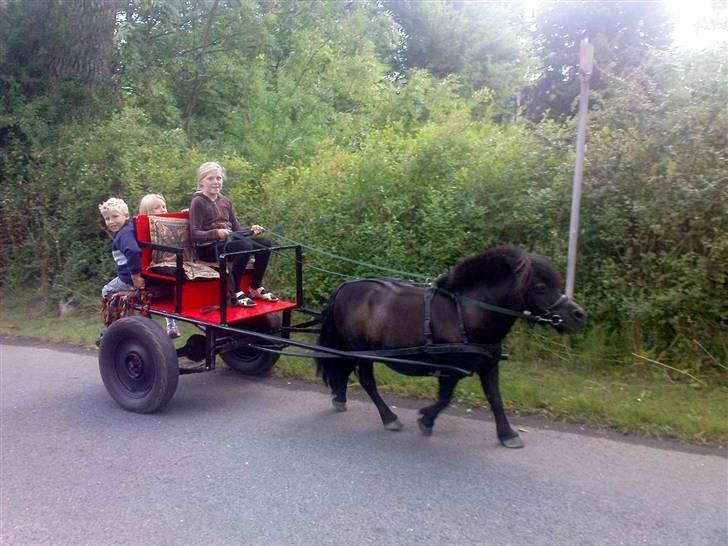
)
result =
(627, 400)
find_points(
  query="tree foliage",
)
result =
(623, 34)
(465, 39)
(376, 130)
(268, 79)
(658, 183)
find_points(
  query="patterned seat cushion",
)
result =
(174, 232)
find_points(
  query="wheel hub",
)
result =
(134, 366)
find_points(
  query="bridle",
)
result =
(524, 268)
(547, 316)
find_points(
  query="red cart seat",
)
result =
(197, 286)
(174, 234)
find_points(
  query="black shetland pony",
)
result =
(456, 328)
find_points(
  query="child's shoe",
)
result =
(262, 294)
(172, 330)
(241, 300)
(98, 339)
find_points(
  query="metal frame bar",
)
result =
(213, 332)
(319, 351)
(222, 264)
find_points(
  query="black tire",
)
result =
(138, 364)
(248, 361)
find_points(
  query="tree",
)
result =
(656, 185)
(57, 40)
(476, 41)
(622, 33)
(264, 78)
(85, 31)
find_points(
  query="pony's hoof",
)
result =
(513, 443)
(339, 406)
(424, 429)
(393, 425)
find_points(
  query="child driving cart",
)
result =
(214, 229)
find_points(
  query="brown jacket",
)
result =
(207, 216)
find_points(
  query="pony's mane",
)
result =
(489, 266)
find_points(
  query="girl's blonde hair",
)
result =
(206, 168)
(146, 205)
(114, 204)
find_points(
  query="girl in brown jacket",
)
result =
(212, 222)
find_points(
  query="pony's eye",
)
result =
(540, 288)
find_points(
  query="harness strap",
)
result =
(429, 295)
(461, 321)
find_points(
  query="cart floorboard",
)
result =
(212, 316)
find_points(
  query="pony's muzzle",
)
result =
(573, 317)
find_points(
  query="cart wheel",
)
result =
(248, 361)
(138, 364)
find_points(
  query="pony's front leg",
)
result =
(489, 380)
(444, 396)
(366, 378)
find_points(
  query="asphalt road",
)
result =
(237, 461)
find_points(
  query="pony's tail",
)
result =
(326, 368)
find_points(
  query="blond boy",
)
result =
(124, 248)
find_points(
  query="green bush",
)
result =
(50, 202)
(325, 144)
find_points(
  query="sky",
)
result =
(699, 23)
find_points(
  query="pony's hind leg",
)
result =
(366, 378)
(335, 372)
(338, 379)
(430, 413)
(489, 380)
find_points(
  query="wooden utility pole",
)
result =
(586, 53)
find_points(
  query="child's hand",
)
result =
(138, 281)
(223, 234)
(257, 230)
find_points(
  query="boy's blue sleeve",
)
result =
(133, 253)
